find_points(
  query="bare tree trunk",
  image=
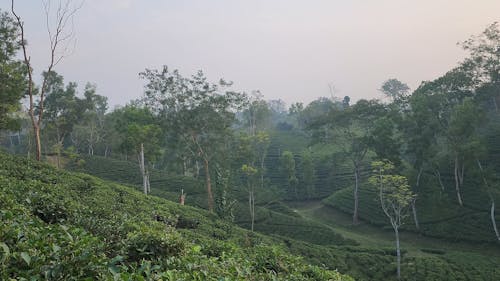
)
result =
(262, 172)
(461, 173)
(493, 222)
(438, 175)
(209, 186)
(38, 143)
(58, 36)
(356, 199)
(457, 181)
(182, 199)
(148, 182)
(492, 200)
(197, 169)
(184, 166)
(251, 203)
(414, 201)
(398, 253)
(143, 170)
(414, 211)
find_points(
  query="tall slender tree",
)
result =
(395, 197)
(60, 37)
(197, 114)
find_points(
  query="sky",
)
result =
(288, 49)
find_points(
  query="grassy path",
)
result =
(375, 237)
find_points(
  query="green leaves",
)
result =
(394, 191)
(26, 257)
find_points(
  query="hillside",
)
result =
(58, 225)
(325, 236)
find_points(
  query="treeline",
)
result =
(187, 125)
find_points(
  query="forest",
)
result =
(196, 180)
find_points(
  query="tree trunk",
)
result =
(493, 222)
(197, 168)
(438, 175)
(143, 170)
(356, 199)
(208, 183)
(38, 143)
(414, 211)
(251, 203)
(414, 201)
(492, 200)
(398, 253)
(148, 185)
(457, 181)
(262, 172)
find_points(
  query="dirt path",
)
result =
(375, 237)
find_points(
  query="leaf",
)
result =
(116, 259)
(55, 248)
(26, 257)
(6, 250)
(196, 248)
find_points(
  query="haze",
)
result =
(286, 49)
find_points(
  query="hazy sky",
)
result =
(287, 49)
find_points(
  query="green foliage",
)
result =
(99, 230)
(287, 165)
(12, 73)
(308, 173)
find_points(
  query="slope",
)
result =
(57, 225)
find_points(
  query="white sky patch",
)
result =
(288, 49)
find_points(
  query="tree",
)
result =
(353, 129)
(12, 74)
(224, 205)
(249, 173)
(196, 113)
(63, 109)
(396, 90)
(261, 145)
(395, 197)
(91, 130)
(257, 115)
(141, 137)
(462, 139)
(287, 163)
(59, 37)
(489, 191)
(484, 62)
(421, 129)
(308, 173)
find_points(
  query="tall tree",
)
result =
(92, 126)
(249, 174)
(60, 36)
(353, 129)
(257, 114)
(196, 113)
(12, 74)
(63, 109)
(141, 138)
(395, 197)
(308, 173)
(287, 163)
(396, 90)
(484, 63)
(462, 139)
